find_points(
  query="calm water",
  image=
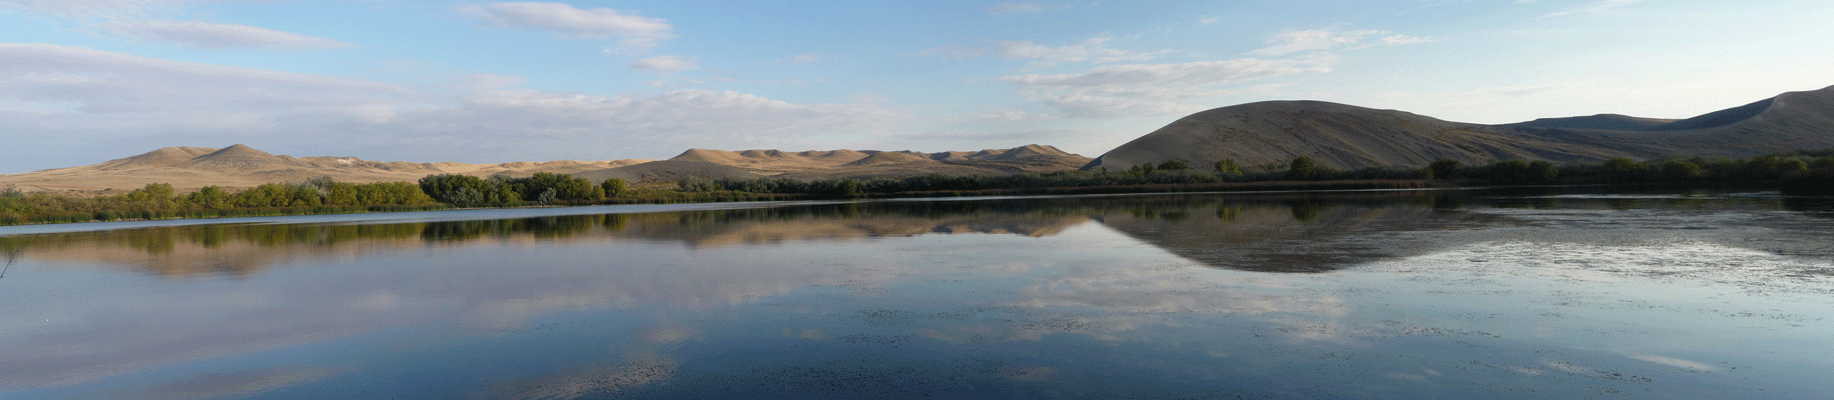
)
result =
(1360, 295)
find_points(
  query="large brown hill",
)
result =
(1347, 136)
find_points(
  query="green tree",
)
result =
(1542, 171)
(460, 190)
(1142, 169)
(152, 193)
(302, 196)
(1679, 169)
(848, 188)
(1228, 167)
(1174, 165)
(340, 194)
(614, 187)
(1302, 168)
(1624, 169)
(211, 197)
(1444, 168)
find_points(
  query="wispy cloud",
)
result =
(219, 36)
(1091, 50)
(1154, 89)
(634, 32)
(1295, 41)
(151, 21)
(1013, 115)
(665, 64)
(1014, 7)
(98, 10)
(1598, 6)
(112, 99)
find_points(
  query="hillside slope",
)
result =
(875, 163)
(1347, 136)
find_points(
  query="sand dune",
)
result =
(667, 170)
(825, 164)
(240, 166)
(875, 163)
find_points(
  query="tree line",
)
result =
(162, 201)
(501, 191)
(1800, 167)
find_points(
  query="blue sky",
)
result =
(84, 81)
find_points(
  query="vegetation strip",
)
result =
(1797, 173)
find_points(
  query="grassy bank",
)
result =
(1798, 173)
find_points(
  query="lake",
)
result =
(1518, 293)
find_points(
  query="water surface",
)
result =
(1494, 294)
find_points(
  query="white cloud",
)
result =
(1091, 50)
(1599, 6)
(81, 101)
(804, 58)
(1191, 74)
(1326, 39)
(1081, 105)
(144, 20)
(1397, 40)
(1310, 40)
(1013, 7)
(491, 81)
(664, 64)
(634, 32)
(97, 9)
(219, 36)
(1154, 89)
(131, 87)
(1208, 20)
(1013, 115)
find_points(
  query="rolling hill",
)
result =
(240, 166)
(875, 163)
(1346, 136)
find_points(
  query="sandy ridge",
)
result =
(240, 166)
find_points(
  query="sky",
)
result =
(85, 81)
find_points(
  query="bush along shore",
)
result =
(1807, 173)
(161, 201)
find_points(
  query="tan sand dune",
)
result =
(772, 162)
(875, 163)
(666, 170)
(890, 157)
(239, 166)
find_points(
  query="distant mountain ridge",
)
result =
(1346, 136)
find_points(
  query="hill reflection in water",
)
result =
(1450, 292)
(1266, 233)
